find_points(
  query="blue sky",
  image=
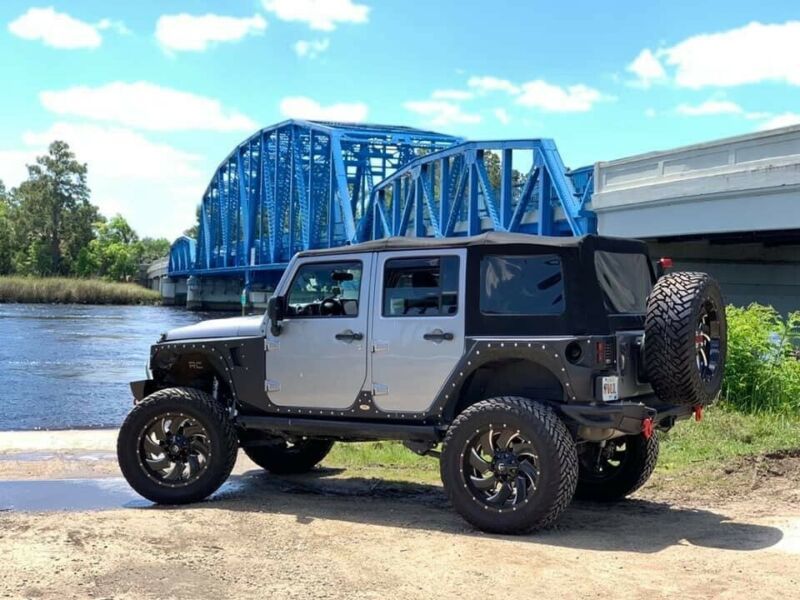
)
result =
(152, 95)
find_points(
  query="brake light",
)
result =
(604, 353)
(666, 263)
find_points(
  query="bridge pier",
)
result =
(222, 293)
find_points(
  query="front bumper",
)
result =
(627, 417)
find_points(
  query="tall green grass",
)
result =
(63, 290)
(762, 372)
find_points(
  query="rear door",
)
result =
(417, 326)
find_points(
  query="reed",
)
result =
(65, 290)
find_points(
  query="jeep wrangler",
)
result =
(542, 368)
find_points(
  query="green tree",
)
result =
(6, 231)
(192, 232)
(113, 251)
(151, 249)
(53, 217)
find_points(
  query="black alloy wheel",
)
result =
(707, 341)
(174, 449)
(502, 467)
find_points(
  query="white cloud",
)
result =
(650, 113)
(502, 115)
(194, 33)
(647, 68)
(753, 53)
(554, 98)
(145, 105)
(311, 48)
(782, 120)
(323, 15)
(301, 107)
(60, 30)
(128, 173)
(452, 95)
(487, 83)
(441, 113)
(710, 107)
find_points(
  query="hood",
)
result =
(218, 328)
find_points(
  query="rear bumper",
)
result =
(627, 417)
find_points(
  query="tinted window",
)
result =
(522, 285)
(625, 281)
(325, 290)
(420, 287)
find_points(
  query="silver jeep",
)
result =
(536, 368)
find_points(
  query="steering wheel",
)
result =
(331, 307)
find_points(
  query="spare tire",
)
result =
(685, 339)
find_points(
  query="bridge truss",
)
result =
(303, 184)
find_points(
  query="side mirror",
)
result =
(276, 310)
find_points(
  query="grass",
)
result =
(691, 448)
(63, 290)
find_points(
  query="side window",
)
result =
(420, 287)
(325, 290)
(522, 285)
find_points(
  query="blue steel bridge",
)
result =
(309, 184)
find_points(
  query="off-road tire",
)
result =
(558, 464)
(200, 406)
(285, 460)
(673, 309)
(637, 465)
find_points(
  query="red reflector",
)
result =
(647, 428)
(600, 349)
(665, 262)
(698, 413)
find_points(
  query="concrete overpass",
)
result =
(730, 207)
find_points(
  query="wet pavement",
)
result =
(47, 495)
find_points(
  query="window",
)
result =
(522, 285)
(420, 287)
(625, 280)
(325, 290)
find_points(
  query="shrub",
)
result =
(763, 367)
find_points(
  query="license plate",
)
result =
(610, 388)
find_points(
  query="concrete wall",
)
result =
(745, 183)
(747, 272)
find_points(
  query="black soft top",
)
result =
(491, 238)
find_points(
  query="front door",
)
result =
(418, 326)
(319, 360)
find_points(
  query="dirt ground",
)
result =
(71, 528)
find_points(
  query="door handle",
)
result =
(437, 335)
(348, 336)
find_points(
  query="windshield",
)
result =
(625, 280)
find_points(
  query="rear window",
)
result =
(522, 285)
(625, 281)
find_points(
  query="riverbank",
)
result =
(66, 290)
(71, 527)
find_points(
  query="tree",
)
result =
(193, 231)
(6, 232)
(53, 216)
(151, 249)
(116, 252)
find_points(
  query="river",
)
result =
(65, 366)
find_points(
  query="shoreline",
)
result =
(16, 289)
(63, 439)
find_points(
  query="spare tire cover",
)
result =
(686, 339)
